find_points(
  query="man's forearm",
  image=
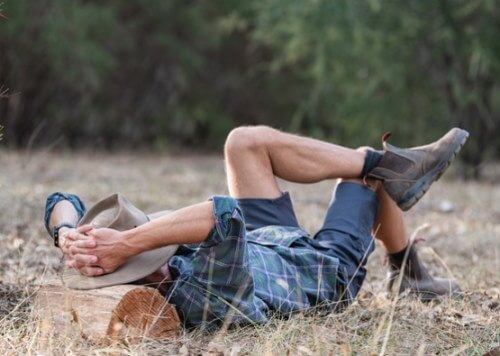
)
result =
(185, 226)
(64, 212)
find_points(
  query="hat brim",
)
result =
(136, 267)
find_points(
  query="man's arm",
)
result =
(65, 212)
(112, 248)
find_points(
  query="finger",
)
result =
(81, 260)
(93, 232)
(67, 255)
(65, 236)
(85, 228)
(73, 251)
(63, 240)
(65, 246)
(91, 271)
(87, 243)
(75, 235)
(70, 235)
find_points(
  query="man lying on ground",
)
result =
(247, 253)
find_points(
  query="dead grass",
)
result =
(464, 243)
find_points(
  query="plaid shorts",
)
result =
(258, 260)
(346, 230)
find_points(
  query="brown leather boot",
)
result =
(417, 280)
(408, 173)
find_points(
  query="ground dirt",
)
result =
(463, 242)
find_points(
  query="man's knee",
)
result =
(246, 139)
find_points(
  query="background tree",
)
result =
(158, 74)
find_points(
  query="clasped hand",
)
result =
(93, 251)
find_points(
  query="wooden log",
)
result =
(119, 313)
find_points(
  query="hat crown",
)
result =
(114, 212)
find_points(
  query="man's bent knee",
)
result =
(246, 139)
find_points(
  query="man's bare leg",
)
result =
(255, 156)
(389, 227)
(390, 230)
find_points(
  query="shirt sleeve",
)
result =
(55, 198)
(229, 221)
(215, 278)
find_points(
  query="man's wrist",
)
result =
(133, 243)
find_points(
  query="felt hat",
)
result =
(116, 212)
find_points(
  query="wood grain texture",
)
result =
(118, 313)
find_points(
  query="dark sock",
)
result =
(372, 160)
(396, 259)
(412, 265)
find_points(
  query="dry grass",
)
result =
(465, 242)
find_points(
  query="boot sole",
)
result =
(425, 296)
(421, 186)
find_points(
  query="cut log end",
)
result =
(143, 312)
(119, 313)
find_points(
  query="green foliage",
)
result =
(74, 35)
(161, 73)
(413, 67)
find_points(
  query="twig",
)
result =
(390, 313)
(461, 350)
(4, 92)
(1, 12)
(443, 263)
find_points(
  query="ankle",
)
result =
(408, 262)
(396, 259)
(372, 160)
